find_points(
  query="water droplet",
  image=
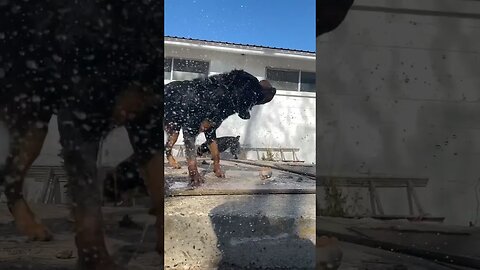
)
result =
(31, 64)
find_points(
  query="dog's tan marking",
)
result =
(171, 140)
(205, 125)
(213, 146)
(195, 177)
(131, 103)
(27, 150)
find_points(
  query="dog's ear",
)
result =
(268, 92)
(330, 14)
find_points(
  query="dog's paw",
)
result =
(37, 232)
(173, 163)
(220, 174)
(196, 180)
(27, 224)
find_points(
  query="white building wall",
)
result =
(399, 94)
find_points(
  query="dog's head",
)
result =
(202, 149)
(249, 92)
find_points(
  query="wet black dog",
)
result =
(224, 143)
(97, 65)
(201, 105)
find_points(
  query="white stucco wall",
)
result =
(399, 94)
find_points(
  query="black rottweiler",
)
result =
(224, 143)
(97, 65)
(201, 105)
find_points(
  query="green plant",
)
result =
(334, 201)
(270, 156)
(355, 208)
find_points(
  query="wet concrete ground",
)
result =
(123, 243)
(359, 257)
(212, 231)
(271, 226)
(239, 177)
(231, 226)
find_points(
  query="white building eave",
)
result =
(239, 49)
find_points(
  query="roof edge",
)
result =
(232, 44)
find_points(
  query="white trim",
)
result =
(301, 94)
(221, 48)
(171, 69)
(299, 80)
(295, 55)
(180, 43)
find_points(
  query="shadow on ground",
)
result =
(259, 241)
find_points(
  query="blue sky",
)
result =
(276, 23)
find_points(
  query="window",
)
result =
(283, 79)
(307, 81)
(291, 80)
(185, 69)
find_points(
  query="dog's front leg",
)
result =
(172, 136)
(148, 154)
(24, 149)
(153, 173)
(80, 157)
(195, 178)
(211, 137)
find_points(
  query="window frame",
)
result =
(300, 81)
(299, 71)
(172, 60)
